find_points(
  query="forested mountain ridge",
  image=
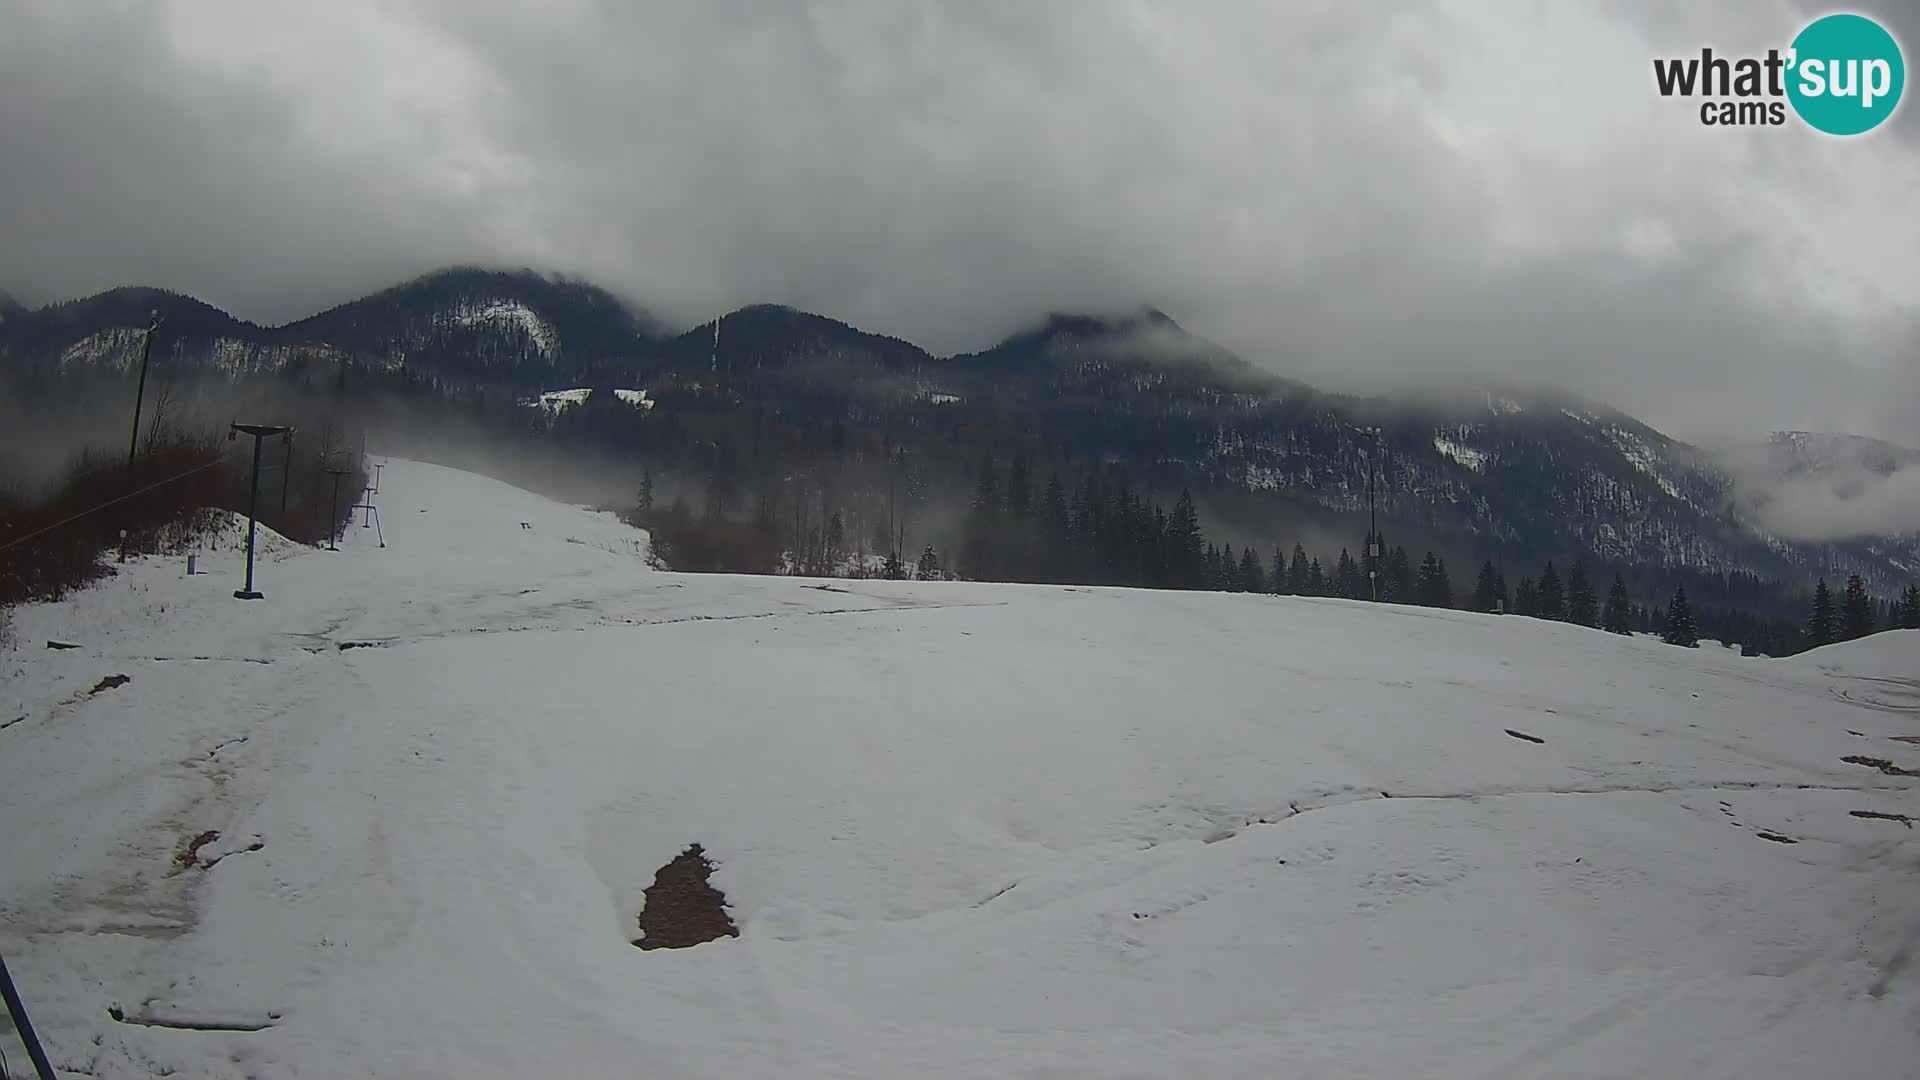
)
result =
(767, 396)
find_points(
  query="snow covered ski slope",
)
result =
(398, 816)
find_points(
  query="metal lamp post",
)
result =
(258, 431)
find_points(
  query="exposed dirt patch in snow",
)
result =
(209, 864)
(1882, 764)
(120, 1015)
(1878, 816)
(682, 908)
(109, 683)
(189, 857)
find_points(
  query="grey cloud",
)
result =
(1350, 193)
(1845, 505)
(1809, 487)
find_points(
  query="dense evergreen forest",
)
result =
(1096, 528)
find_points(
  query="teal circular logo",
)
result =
(1845, 74)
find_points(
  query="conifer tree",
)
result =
(1432, 588)
(1523, 597)
(1185, 557)
(1680, 627)
(1229, 570)
(1618, 617)
(1582, 605)
(1053, 509)
(1910, 608)
(1822, 622)
(1019, 487)
(986, 489)
(929, 564)
(1346, 577)
(1549, 600)
(1399, 585)
(1500, 590)
(981, 556)
(1297, 572)
(1080, 513)
(1483, 588)
(1856, 610)
(1278, 577)
(1252, 578)
(1316, 579)
(894, 568)
(1053, 505)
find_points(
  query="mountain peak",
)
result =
(783, 317)
(136, 305)
(775, 335)
(1113, 325)
(1143, 335)
(1148, 315)
(531, 318)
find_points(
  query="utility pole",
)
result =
(253, 493)
(139, 397)
(333, 523)
(1373, 523)
(286, 473)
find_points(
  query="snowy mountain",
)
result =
(503, 325)
(493, 323)
(401, 817)
(1475, 473)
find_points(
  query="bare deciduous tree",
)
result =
(163, 408)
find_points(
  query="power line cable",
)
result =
(110, 502)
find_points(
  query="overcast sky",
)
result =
(1356, 192)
